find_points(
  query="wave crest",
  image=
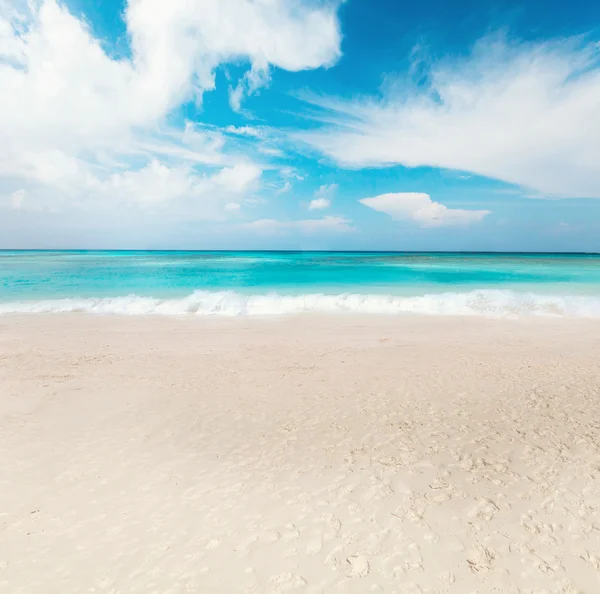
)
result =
(496, 303)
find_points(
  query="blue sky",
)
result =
(251, 124)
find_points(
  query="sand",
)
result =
(342, 454)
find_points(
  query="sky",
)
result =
(300, 124)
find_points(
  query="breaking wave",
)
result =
(495, 303)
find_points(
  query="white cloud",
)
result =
(271, 151)
(236, 96)
(17, 199)
(153, 184)
(254, 201)
(286, 187)
(254, 79)
(421, 209)
(238, 178)
(78, 124)
(319, 204)
(245, 131)
(526, 114)
(290, 173)
(158, 183)
(323, 197)
(325, 224)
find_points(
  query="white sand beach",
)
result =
(313, 455)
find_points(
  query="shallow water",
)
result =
(264, 283)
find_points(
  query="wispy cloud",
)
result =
(286, 187)
(271, 151)
(421, 209)
(527, 114)
(324, 225)
(323, 197)
(246, 131)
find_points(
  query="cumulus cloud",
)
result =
(323, 197)
(325, 224)
(158, 183)
(319, 204)
(238, 178)
(79, 124)
(420, 208)
(527, 114)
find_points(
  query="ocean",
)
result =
(279, 283)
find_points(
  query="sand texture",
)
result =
(335, 455)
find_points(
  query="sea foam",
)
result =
(495, 303)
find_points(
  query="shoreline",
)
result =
(300, 322)
(343, 454)
(489, 303)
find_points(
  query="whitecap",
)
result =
(485, 302)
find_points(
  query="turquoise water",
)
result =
(264, 283)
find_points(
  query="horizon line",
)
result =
(300, 251)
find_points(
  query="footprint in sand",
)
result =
(446, 577)
(314, 546)
(290, 532)
(285, 582)
(483, 512)
(356, 566)
(481, 559)
(213, 543)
